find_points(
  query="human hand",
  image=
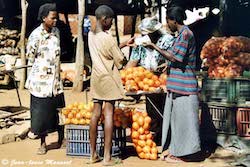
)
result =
(150, 45)
(131, 42)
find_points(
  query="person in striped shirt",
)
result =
(181, 106)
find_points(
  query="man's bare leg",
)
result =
(96, 114)
(108, 130)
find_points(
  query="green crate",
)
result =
(242, 92)
(218, 90)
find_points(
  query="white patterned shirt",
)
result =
(43, 52)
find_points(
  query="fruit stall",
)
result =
(76, 117)
(226, 88)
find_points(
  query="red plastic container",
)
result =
(243, 122)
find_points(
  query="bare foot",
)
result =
(112, 162)
(173, 159)
(164, 155)
(94, 159)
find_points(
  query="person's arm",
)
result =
(129, 42)
(178, 50)
(132, 63)
(32, 48)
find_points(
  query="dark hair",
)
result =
(45, 9)
(177, 14)
(104, 10)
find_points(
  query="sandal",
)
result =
(94, 160)
(112, 162)
(173, 159)
(41, 151)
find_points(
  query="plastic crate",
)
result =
(218, 90)
(242, 92)
(223, 117)
(243, 122)
(78, 143)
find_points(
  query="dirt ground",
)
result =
(23, 153)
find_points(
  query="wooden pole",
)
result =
(78, 81)
(24, 6)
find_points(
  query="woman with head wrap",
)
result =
(44, 82)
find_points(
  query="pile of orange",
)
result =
(122, 117)
(141, 136)
(78, 113)
(138, 78)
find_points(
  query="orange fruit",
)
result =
(154, 145)
(137, 79)
(157, 83)
(151, 89)
(135, 141)
(135, 126)
(82, 121)
(147, 119)
(150, 83)
(146, 149)
(141, 155)
(140, 120)
(154, 78)
(149, 75)
(129, 71)
(135, 117)
(149, 136)
(67, 121)
(141, 130)
(154, 150)
(153, 156)
(144, 114)
(65, 111)
(147, 155)
(145, 81)
(70, 115)
(149, 142)
(79, 115)
(145, 126)
(142, 137)
(145, 87)
(138, 149)
(135, 135)
(141, 143)
(88, 115)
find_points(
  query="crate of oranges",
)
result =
(140, 80)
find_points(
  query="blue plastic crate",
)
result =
(78, 143)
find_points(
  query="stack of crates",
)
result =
(226, 99)
(78, 143)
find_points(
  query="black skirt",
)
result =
(44, 113)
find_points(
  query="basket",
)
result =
(223, 117)
(78, 143)
(243, 122)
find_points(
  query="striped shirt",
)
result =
(181, 78)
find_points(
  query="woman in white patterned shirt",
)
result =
(44, 82)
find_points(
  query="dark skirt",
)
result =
(44, 113)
